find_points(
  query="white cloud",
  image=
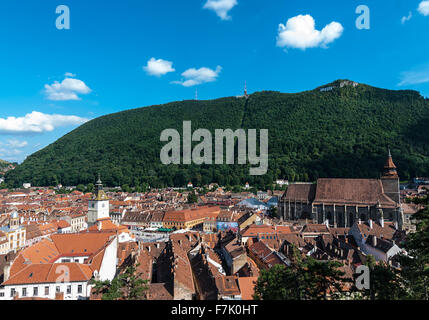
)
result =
(37, 122)
(8, 154)
(221, 7)
(416, 76)
(15, 143)
(11, 148)
(158, 67)
(424, 8)
(70, 75)
(68, 89)
(195, 77)
(300, 32)
(405, 19)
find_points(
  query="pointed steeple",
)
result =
(389, 170)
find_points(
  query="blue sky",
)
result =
(212, 45)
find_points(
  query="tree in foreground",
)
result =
(304, 279)
(415, 265)
(385, 282)
(126, 286)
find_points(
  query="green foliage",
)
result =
(90, 187)
(126, 286)
(415, 266)
(273, 212)
(4, 164)
(323, 278)
(386, 282)
(307, 279)
(341, 133)
(192, 197)
(275, 284)
(62, 191)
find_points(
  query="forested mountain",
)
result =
(333, 132)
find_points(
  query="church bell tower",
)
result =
(390, 180)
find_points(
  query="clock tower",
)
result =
(98, 206)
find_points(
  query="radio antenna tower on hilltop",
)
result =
(245, 90)
(196, 94)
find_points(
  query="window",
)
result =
(79, 288)
(24, 292)
(1, 294)
(46, 291)
(12, 292)
(69, 289)
(35, 291)
(57, 289)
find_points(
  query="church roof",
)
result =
(352, 192)
(301, 192)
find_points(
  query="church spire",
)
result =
(390, 168)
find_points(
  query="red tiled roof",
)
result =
(301, 192)
(50, 273)
(352, 192)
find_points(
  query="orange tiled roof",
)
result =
(247, 287)
(49, 273)
(80, 243)
(190, 214)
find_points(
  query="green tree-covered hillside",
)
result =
(344, 132)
